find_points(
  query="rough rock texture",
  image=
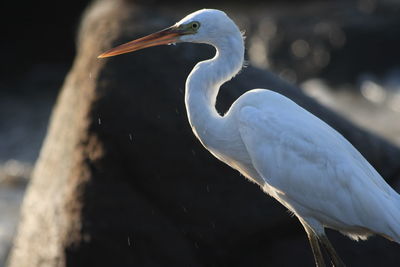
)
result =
(122, 181)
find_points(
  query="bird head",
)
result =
(203, 26)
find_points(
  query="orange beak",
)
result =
(167, 36)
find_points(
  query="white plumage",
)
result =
(294, 156)
(314, 171)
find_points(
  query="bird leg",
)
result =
(312, 237)
(336, 260)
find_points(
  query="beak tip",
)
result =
(167, 36)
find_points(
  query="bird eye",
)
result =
(195, 25)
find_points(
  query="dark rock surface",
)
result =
(122, 181)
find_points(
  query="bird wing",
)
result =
(311, 168)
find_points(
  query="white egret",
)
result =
(294, 156)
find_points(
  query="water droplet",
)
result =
(184, 209)
(208, 188)
(300, 48)
(258, 52)
(99, 121)
(130, 137)
(213, 225)
(320, 56)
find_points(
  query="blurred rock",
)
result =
(122, 181)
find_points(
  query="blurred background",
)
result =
(344, 53)
(38, 47)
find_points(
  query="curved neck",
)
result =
(203, 83)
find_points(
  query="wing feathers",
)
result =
(311, 166)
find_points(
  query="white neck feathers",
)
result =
(203, 83)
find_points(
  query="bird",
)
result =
(293, 156)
